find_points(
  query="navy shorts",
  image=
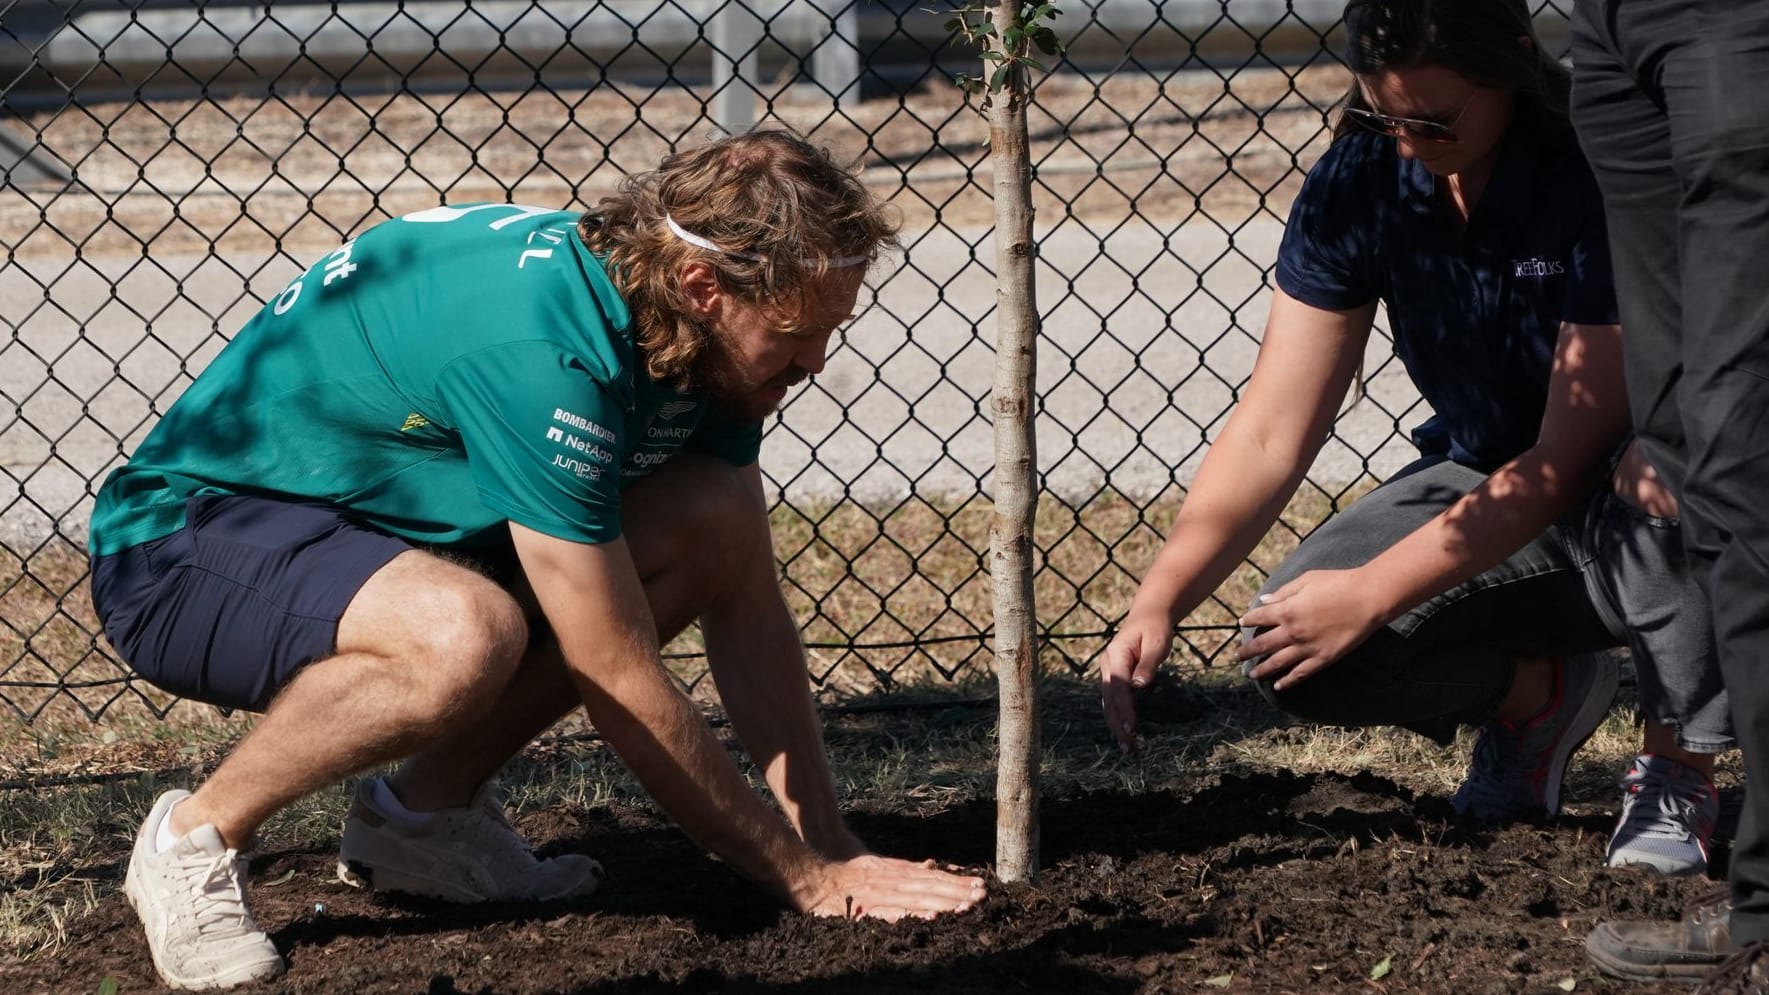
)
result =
(227, 609)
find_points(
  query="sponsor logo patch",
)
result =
(1537, 267)
(578, 468)
(561, 437)
(582, 424)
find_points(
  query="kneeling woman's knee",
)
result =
(1323, 697)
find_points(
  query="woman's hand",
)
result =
(1309, 623)
(1137, 648)
(1638, 483)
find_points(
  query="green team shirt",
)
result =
(438, 376)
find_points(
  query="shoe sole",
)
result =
(386, 881)
(1584, 722)
(1667, 869)
(356, 875)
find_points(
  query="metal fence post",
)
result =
(735, 34)
(835, 64)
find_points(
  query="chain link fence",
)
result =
(170, 165)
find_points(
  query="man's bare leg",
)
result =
(677, 525)
(425, 646)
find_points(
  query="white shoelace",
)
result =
(1664, 808)
(221, 903)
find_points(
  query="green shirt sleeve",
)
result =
(542, 438)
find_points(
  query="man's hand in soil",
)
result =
(875, 887)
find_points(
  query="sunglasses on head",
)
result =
(1417, 129)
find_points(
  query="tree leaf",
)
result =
(1000, 77)
(1382, 968)
(108, 986)
(1221, 980)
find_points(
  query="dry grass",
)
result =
(887, 596)
(900, 594)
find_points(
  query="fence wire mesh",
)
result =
(171, 165)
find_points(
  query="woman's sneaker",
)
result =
(192, 902)
(1517, 767)
(464, 855)
(1668, 815)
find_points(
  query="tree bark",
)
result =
(1016, 471)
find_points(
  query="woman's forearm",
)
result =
(1516, 503)
(1238, 493)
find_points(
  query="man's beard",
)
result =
(716, 376)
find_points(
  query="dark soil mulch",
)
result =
(1258, 883)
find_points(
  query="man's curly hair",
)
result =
(781, 209)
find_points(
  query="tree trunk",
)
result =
(1016, 472)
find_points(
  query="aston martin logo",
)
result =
(671, 409)
(414, 420)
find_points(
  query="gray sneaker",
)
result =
(1517, 768)
(192, 902)
(1685, 950)
(464, 855)
(1668, 816)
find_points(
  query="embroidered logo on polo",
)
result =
(671, 409)
(595, 456)
(1537, 267)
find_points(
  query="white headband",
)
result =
(702, 243)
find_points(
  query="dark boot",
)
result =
(1659, 951)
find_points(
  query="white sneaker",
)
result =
(192, 902)
(464, 855)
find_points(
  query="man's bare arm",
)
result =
(592, 597)
(758, 662)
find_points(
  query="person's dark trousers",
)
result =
(1671, 102)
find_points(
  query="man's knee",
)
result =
(458, 635)
(478, 628)
(699, 511)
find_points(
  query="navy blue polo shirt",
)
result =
(1475, 312)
